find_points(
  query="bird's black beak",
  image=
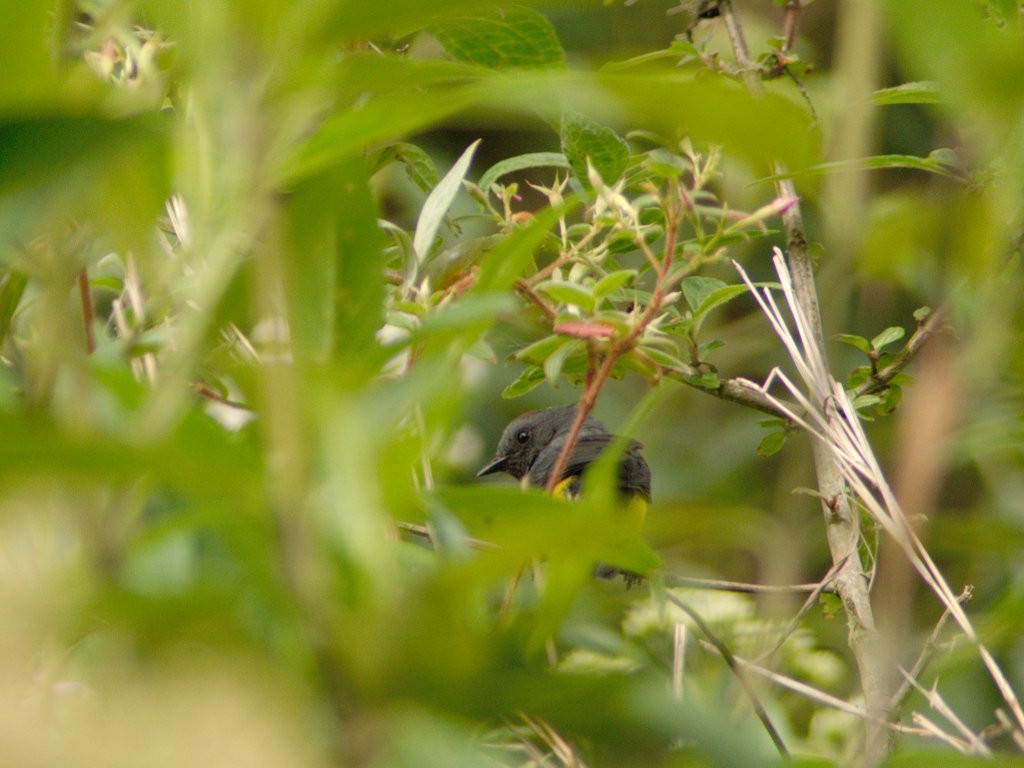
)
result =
(497, 464)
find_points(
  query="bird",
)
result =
(529, 447)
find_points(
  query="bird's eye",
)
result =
(522, 436)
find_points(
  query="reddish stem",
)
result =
(597, 375)
(87, 310)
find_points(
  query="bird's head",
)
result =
(525, 437)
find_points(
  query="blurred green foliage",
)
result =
(256, 315)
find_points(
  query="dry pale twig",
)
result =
(843, 525)
(936, 702)
(827, 699)
(927, 651)
(743, 587)
(424, 531)
(731, 661)
(820, 588)
(839, 430)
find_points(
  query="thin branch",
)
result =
(731, 661)
(562, 258)
(939, 704)
(204, 391)
(821, 697)
(935, 732)
(825, 585)
(931, 645)
(744, 587)
(733, 391)
(424, 532)
(842, 523)
(838, 430)
(527, 291)
(789, 24)
(880, 380)
(88, 314)
(596, 378)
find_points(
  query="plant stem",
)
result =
(598, 373)
(880, 380)
(841, 518)
(733, 665)
(87, 310)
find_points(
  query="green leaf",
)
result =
(720, 296)
(709, 346)
(922, 313)
(107, 283)
(469, 310)
(923, 92)
(940, 161)
(772, 443)
(665, 360)
(981, 63)
(553, 365)
(522, 163)
(854, 341)
(26, 57)
(611, 282)
(393, 18)
(382, 119)
(335, 293)
(12, 288)
(568, 293)
(115, 167)
(858, 376)
(866, 401)
(538, 351)
(503, 38)
(706, 380)
(665, 164)
(888, 336)
(418, 164)
(527, 380)
(436, 206)
(891, 399)
(585, 140)
(200, 460)
(697, 288)
(715, 110)
(504, 263)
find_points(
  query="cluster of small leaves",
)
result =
(874, 349)
(594, 279)
(252, 136)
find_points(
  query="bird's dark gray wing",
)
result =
(634, 474)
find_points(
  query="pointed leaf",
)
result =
(922, 92)
(568, 293)
(418, 164)
(521, 163)
(718, 297)
(854, 341)
(585, 140)
(888, 336)
(611, 282)
(502, 38)
(527, 380)
(771, 443)
(438, 202)
(697, 288)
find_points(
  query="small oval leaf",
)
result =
(611, 282)
(568, 293)
(888, 336)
